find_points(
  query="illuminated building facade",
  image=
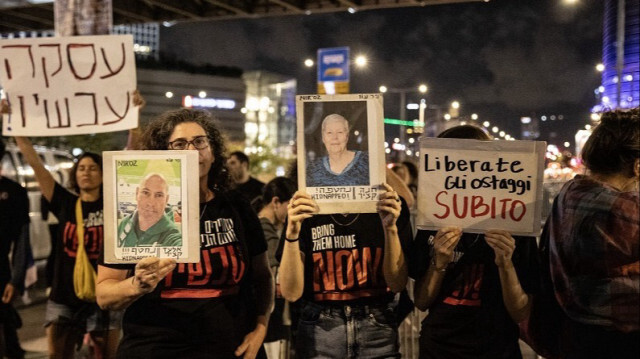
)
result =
(621, 76)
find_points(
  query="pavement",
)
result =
(32, 334)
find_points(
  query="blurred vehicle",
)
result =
(59, 163)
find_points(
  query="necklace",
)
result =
(203, 209)
(345, 216)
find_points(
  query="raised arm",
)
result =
(428, 286)
(43, 176)
(516, 301)
(394, 264)
(133, 138)
(116, 291)
(291, 270)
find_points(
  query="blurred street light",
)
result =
(308, 63)
(455, 104)
(600, 67)
(495, 129)
(474, 116)
(486, 124)
(361, 61)
(423, 88)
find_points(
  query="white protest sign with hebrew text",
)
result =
(341, 151)
(480, 185)
(68, 85)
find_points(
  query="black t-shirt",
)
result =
(468, 318)
(201, 310)
(250, 189)
(63, 205)
(14, 214)
(343, 257)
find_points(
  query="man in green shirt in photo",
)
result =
(150, 225)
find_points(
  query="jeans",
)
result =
(94, 321)
(360, 331)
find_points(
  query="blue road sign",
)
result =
(333, 64)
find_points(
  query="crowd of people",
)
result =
(336, 280)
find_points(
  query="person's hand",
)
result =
(9, 292)
(5, 109)
(150, 271)
(444, 243)
(301, 207)
(389, 206)
(502, 244)
(138, 100)
(252, 343)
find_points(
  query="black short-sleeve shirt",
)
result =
(201, 309)
(468, 318)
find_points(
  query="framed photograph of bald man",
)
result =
(340, 146)
(151, 206)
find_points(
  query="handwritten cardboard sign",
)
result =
(480, 185)
(68, 85)
(341, 138)
(150, 206)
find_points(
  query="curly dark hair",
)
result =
(73, 182)
(614, 145)
(156, 137)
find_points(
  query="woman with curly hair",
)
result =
(217, 308)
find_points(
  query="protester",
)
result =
(413, 176)
(475, 286)
(243, 182)
(399, 185)
(275, 198)
(67, 316)
(14, 241)
(594, 231)
(150, 224)
(217, 308)
(340, 167)
(346, 268)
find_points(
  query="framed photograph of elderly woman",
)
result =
(341, 151)
(150, 206)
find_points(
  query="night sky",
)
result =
(502, 60)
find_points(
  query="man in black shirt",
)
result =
(238, 165)
(14, 231)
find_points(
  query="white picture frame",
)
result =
(150, 206)
(356, 188)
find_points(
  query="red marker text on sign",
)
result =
(478, 206)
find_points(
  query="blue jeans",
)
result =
(361, 331)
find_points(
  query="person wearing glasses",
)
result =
(150, 224)
(217, 308)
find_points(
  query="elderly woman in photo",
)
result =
(340, 167)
